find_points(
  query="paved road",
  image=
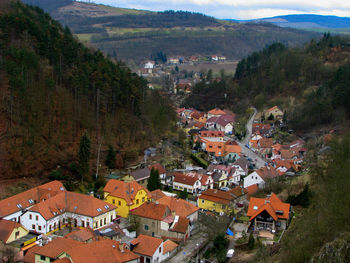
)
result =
(259, 162)
(190, 246)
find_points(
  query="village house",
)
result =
(141, 175)
(265, 146)
(215, 113)
(261, 129)
(13, 207)
(260, 177)
(191, 182)
(162, 173)
(180, 207)
(150, 249)
(68, 208)
(232, 151)
(276, 112)
(149, 65)
(169, 248)
(216, 201)
(269, 213)
(125, 195)
(11, 231)
(157, 220)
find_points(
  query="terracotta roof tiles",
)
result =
(146, 245)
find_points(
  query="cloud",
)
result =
(240, 9)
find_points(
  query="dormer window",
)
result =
(255, 207)
(19, 206)
(62, 188)
(31, 201)
(99, 210)
(106, 206)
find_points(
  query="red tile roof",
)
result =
(185, 179)
(146, 245)
(217, 196)
(267, 172)
(266, 143)
(124, 190)
(82, 235)
(216, 111)
(272, 205)
(6, 229)
(103, 251)
(152, 211)
(181, 226)
(169, 246)
(57, 246)
(72, 202)
(252, 189)
(157, 194)
(28, 198)
(180, 206)
(212, 133)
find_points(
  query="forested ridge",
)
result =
(310, 83)
(135, 35)
(53, 89)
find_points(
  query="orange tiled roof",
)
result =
(152, 211)
(266, 143)
(28, 198)
(146, 245)
(103, 251)
(272, 205)
(72, 202)
(82, 235)
(252, 189)
(217, 196)
(6, 229)
(57, 246)
(185, 179)
(212, 133)
(62, 260)
(238, 191)
(124, 190)
(216, 112)
(180, 206)
(157, 194)
(233, 147)
(169, 246)
(181, 226)
(267, 172)
(273, 108)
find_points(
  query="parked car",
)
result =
(230, 253)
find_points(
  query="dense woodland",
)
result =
(311, 83)
(53, 89)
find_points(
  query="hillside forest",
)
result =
(54, 89)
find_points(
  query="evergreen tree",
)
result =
(154, 180)
(251, 241)
(111, 159)
(183, 194)
(84, 156)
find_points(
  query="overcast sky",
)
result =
(240, 9)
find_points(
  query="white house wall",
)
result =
(252, 179)
(28, 223)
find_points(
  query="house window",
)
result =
(39, 228)
(17, 234)
(152, 234)
(148, 260)
(82, 223)
(54, 225)
(105, 220)
(143, 199)
(119, 203)
(87, 224)
(30, 216)
(50, 228)
(137, 201)
(146, 227)
(36, 218)
(43, 258)
(113, 201)
(202, 201)
(160, 250)
(33, 227)
(101, 222)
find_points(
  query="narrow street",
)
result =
(259, 162)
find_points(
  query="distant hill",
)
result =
(137, 35)
(334, 24)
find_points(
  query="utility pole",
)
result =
(98, 157)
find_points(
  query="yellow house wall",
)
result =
(22, 232)
(211, 206)
(123, 208)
